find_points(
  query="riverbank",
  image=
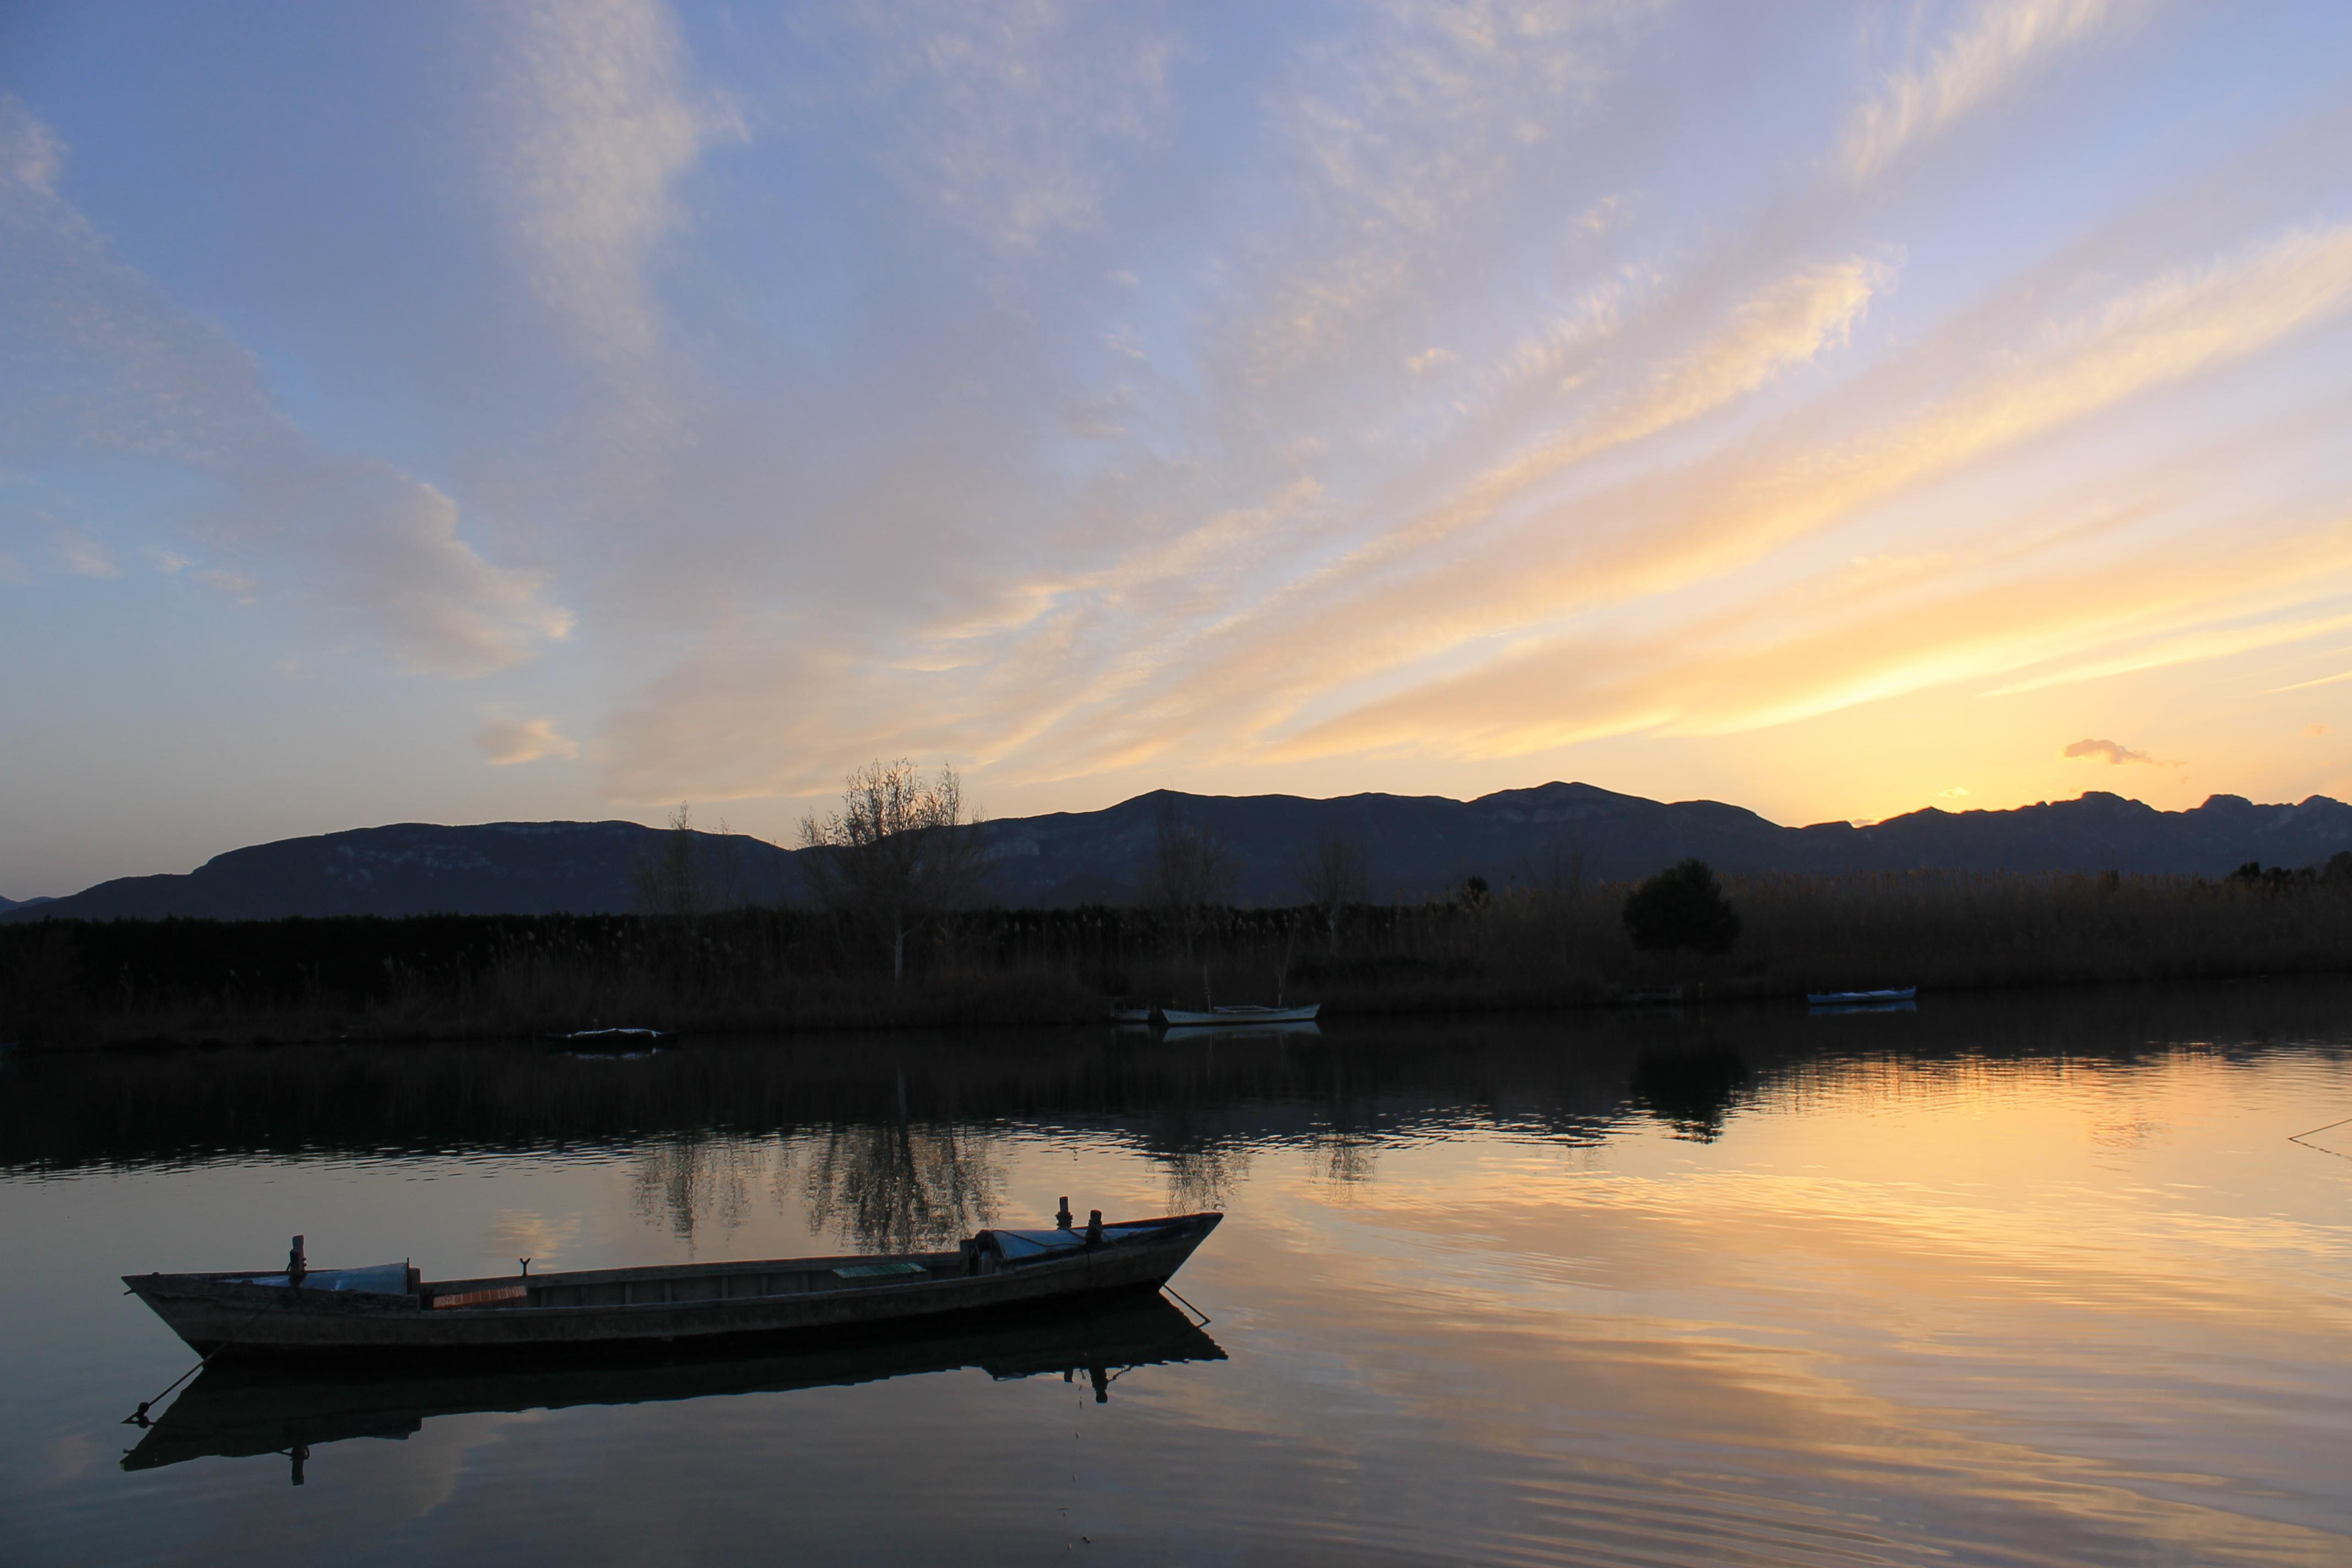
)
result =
(67, 985)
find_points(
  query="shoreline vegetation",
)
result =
(1563, 944)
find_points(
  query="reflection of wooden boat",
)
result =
(389, 1309)
(1178, 1034)
(232, 1411)
(1224, 1018)
(611, 1042)
(1861, 999)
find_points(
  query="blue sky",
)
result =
(465, 412)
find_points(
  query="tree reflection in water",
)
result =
(1205, 1178)
(1691, 1088)
(897, 1187)
(881, 1187)
(1346, 1155)
(696, 1180)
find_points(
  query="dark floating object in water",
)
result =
(240, 1411)
(1886, 1001)
(389, 1311)
(613, 1045)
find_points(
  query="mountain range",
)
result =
(1414, 847)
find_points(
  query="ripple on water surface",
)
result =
(2016, 1282)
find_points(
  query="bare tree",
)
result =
(1190, 871)
(666, 879)
(898, 851)
(725, 880)
(1332, 875)
(692, 872)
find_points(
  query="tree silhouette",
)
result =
(899, 850)
(1682, 906)
(1332, 875)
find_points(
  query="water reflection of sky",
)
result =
(1719, 1288)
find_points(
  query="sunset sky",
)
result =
(466, 412)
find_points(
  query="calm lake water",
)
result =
(2028, 1280)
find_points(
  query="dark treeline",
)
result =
(763, 969)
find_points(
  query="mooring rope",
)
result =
(139, 1416)
(2301, 1137)
(1188, 1306)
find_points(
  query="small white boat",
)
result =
(1175, 1017)
(1861, 999)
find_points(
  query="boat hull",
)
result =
(218, 1315)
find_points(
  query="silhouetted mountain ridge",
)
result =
(1415, 847)
(413, 868)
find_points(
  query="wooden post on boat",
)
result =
(1062, 1220)
(1094, 1227)
(297, 1269)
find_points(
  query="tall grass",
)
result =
(66, 983)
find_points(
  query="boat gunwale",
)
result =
(232, 1287)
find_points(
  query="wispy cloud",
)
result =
(151, 382)
(507, 742)
(1999, 42)
(2322, 680)
(2110, 752)
(603, 120)
(78, 555)
(1745, 669)
(1005, 116)
(1371, 396)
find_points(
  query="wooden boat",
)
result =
(1860, 998)
(234, 1411)
(389, 1309)
(1225, 1016)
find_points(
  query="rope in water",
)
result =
(139, 1416)
(1188, 1306)
(2299, 1137)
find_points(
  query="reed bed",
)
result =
(768, 969)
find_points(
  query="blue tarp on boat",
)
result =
(1030, 1246)
(382, 1278)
